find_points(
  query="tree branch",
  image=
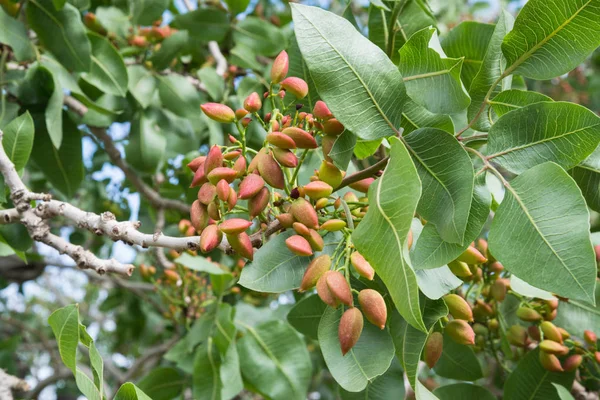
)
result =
(365, 173)
(9, 383)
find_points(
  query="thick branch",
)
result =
(115, 156)
(365, 173)
(9, 383)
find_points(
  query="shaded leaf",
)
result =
(463, 391)
(260, 36)
(387, 386)
(145, 12)
(458, 361)
(509, 100)
(142, 84)
(128, 391)
(14, 34)
(108, 71)
(306, 314)
(18, 140)
(204, 24)
(414, 117)
(587, 177)
(162, 383)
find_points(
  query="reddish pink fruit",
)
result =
(350, 329)
(280, 140)
(572, 362)
(253, 103)
(295, 86)
(373, 306)
(271, 171)
(218, 112)
(279, 69)
(590, 337)
(316, 241)
(362, 185)
(199, 177)
(240, 166)
(232, 155)
(333, 127)
(242, 245)
(550, 362)
(301, 138)
(213, 211)
(315, 270)
(597, 250)
(324, 293)
(286, 220)
(304, 212)
(321, 111)
(226, 173)
(232, 199)
(472, 256)
(214, 159)
(285, 158)
(234, 226)
(259, 202)
(210, 238)
(207, 193)
(196, 163)
(198, 216)
(317, 189)
(552, 347)
(339, 288)
(241, 113)
(223, 190)
(362, 266)
(299, 245)
(433, 349)
(250, 186)
(461, 332)
(301, 229)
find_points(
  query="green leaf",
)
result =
(342, 150)
(387, 386)
(204, 24)
(409, 341)
(62, 167)
(231, 374)
(338, 56)
(446, 174)
(431, 79)
(274, 360)
(16, 236)
(525, 289)
(366, 148)
(381, 236)
(245, 57)
(510, 100)
(207, 380)
(463, 391)
(62, 32)
(414, 117)
(18, 140)
(145, 12)
(108, 71)
(458, 362)
(237, 6)
(563, 393)
(199, 263)
(551, 37)
(369, 358)
(169, 49)
(565, 133)
(65, 325)
(469, 39)
(14, 34)
(128, 391)
(541, 233)
(587, 177)
(162, 383)
(437, 282)
(214, 83)
(576, 316)
(530, 381)
(430, 251)
(491, 69)
(114, 20)
(260, 36)
(147, 144)
(54, 107)
(306, 314)
(276, 269)
(141, 85)
(179, 96)
(299, 68)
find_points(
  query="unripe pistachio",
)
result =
(472, 256)
(285, 157)
(316, 241)
(333, 225)
(534, 333)
(315, 270)
(339, 288)
(226, 173)
(138, 41)
(321, 111)
(433, 349)
(330, 174)
(373, 306)
(563, 332)
(482, 309)
(242, 245)
(301, 138)
(147, 271)
(223, 190)
(493, 324)
(458, 307)
(461, 332)
(590, 337)
(171, 276)
(333, 127)
(320, 204)
(351, 326)
(460, 269)
(496, 267)
(517, 335)
(552, 304)
(274, 125)
(528, 314)
(271, 171)
(299, 245)
(191, 231)
(214, 159)
(597, 356)
(199, 177)
(259, 202)
(286, 220)
(210, 238)
(232, 155)
(280, 67)
(253, 103)
(218, 112)
(324, 293)
(499, 289)
(553, 347)
(304, 212)
(301, 229)
(234, 226)
(350, 197)
(550, 362)
(551, 332)
(317, 189)
(207, 193)
(240, 113)
(281, 140)
(213, 211)
(362, 185)
(597, 250)
(232, 199)
(196, 163)
(327, 142)
(296, 86)
(250, 186)
(572, 362)
(338, 202)
(198, 216)
(240, 166)
(362, 266)
(183, 225)
(480, 329)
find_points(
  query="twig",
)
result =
(148, 355)
(9, 383)
(365, 173)
(63, 373)
(221, 61)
